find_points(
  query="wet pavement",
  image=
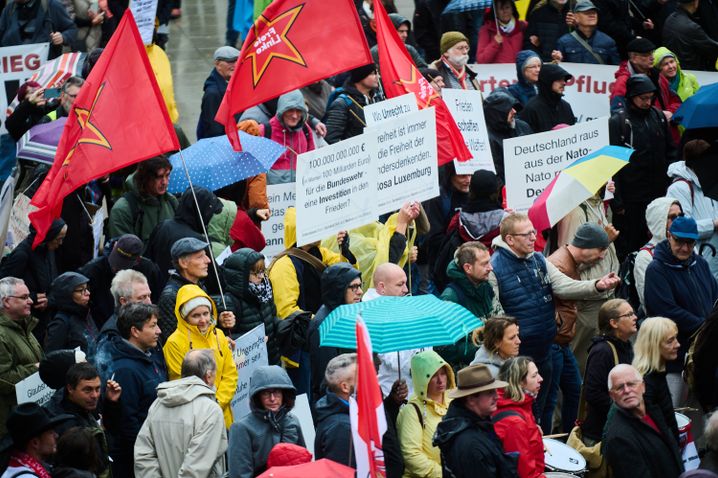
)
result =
(193, 39)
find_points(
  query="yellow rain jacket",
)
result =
(421, 458)
(163, 73)
(188, 337)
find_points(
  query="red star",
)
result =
(425, 93)
(276, 44)
(84, 119)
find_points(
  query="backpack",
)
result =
(337, 93)
(627, 289)
(139, 214)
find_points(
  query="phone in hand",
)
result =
(51, 93)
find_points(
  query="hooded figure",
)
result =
(254, 301)
(501, 125)
(186, 223)
(682, 83)
(269, 422)
(657, 219)
(417, 421)
(297, 139)
(335, 282)
(399, 20)
(72, 325)
(524, 89)
(205, 335)
(548, 109)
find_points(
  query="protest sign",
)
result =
(17, 64)
(389, 109)
(249, 353)
(467, 109)
(33, 390)
(403, 151)
(335, 189)
(280, 196)
(144, 12)
(303, 413)
(533, 161)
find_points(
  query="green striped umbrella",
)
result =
(399, 323)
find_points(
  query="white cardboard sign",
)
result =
(33, 390)
(467, 109)
(249, 353)
(17, 64)
(389, 109)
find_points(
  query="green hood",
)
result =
(423, 366)
(660, 54)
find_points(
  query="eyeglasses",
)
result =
(21, 297)
(684, 242)
(82, 290)
(525, 234)
(258, 273)
(354, 287)
(628, 314)
(271, 392)
(628, 386)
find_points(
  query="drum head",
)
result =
(682, 420)
(561, 457)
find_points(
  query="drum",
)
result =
(691, 460)
(561, 458)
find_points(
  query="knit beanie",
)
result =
(450, 39)
(590, 235)
(192, 304)
(358, 74)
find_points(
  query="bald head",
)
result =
(390, 280)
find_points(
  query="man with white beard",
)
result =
(454, 48)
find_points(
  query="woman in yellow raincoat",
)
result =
(196, 329)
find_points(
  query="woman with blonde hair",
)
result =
(514, 421)
(656, 344)
(498, 341)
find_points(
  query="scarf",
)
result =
(262, 291)
(20, 459)
(460, 76)
(507, 28)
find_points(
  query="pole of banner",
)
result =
(204, 229)
(496, 18)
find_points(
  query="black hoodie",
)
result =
(72, 326)
(496, 112)
(186, 223)
(548, 109)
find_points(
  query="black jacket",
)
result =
(248, 309)
(657, 393)
(40, 22)
(335, 280)
(214, 88)
(547, 109)
(496, 109)
(24, 117)
(72, 325)
(334, 431)
(684, 37)
(635, 450)
(186, 223)
(469, 446)
(615, 21)
(167, 319)
(595, 388)
(645, 177)
(548, 24)
(345, 116)
(98, 270)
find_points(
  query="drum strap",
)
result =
(505, 414)
(581, 417)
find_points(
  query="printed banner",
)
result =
(533, 161)
(390, 109)
(467, 109)
(145, 12)
(249, 353)
(33, 390)
(281, 196)
(403, 150)
(17, 64)
(335, 189)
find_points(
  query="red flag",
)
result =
(367, 411)
(292, 44)
(119, 118)
(399, 76)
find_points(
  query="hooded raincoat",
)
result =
(548, 108)
(254, 435)
(188, 337)
(523, 91)
(521, 434)
(684, 84)
(72, 326)
(418, 419)
(184, 433)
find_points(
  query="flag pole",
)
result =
(204, 229)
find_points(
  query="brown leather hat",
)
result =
(474, 379)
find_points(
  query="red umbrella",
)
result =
(324, 468)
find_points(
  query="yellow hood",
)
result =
(290, 227)
(184, 295)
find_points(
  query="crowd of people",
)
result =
(597, 329)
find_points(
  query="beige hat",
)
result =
(474, 379)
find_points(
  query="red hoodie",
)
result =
(521, 434)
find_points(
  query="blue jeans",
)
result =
(567, 378)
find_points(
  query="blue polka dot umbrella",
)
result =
(213, 164)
